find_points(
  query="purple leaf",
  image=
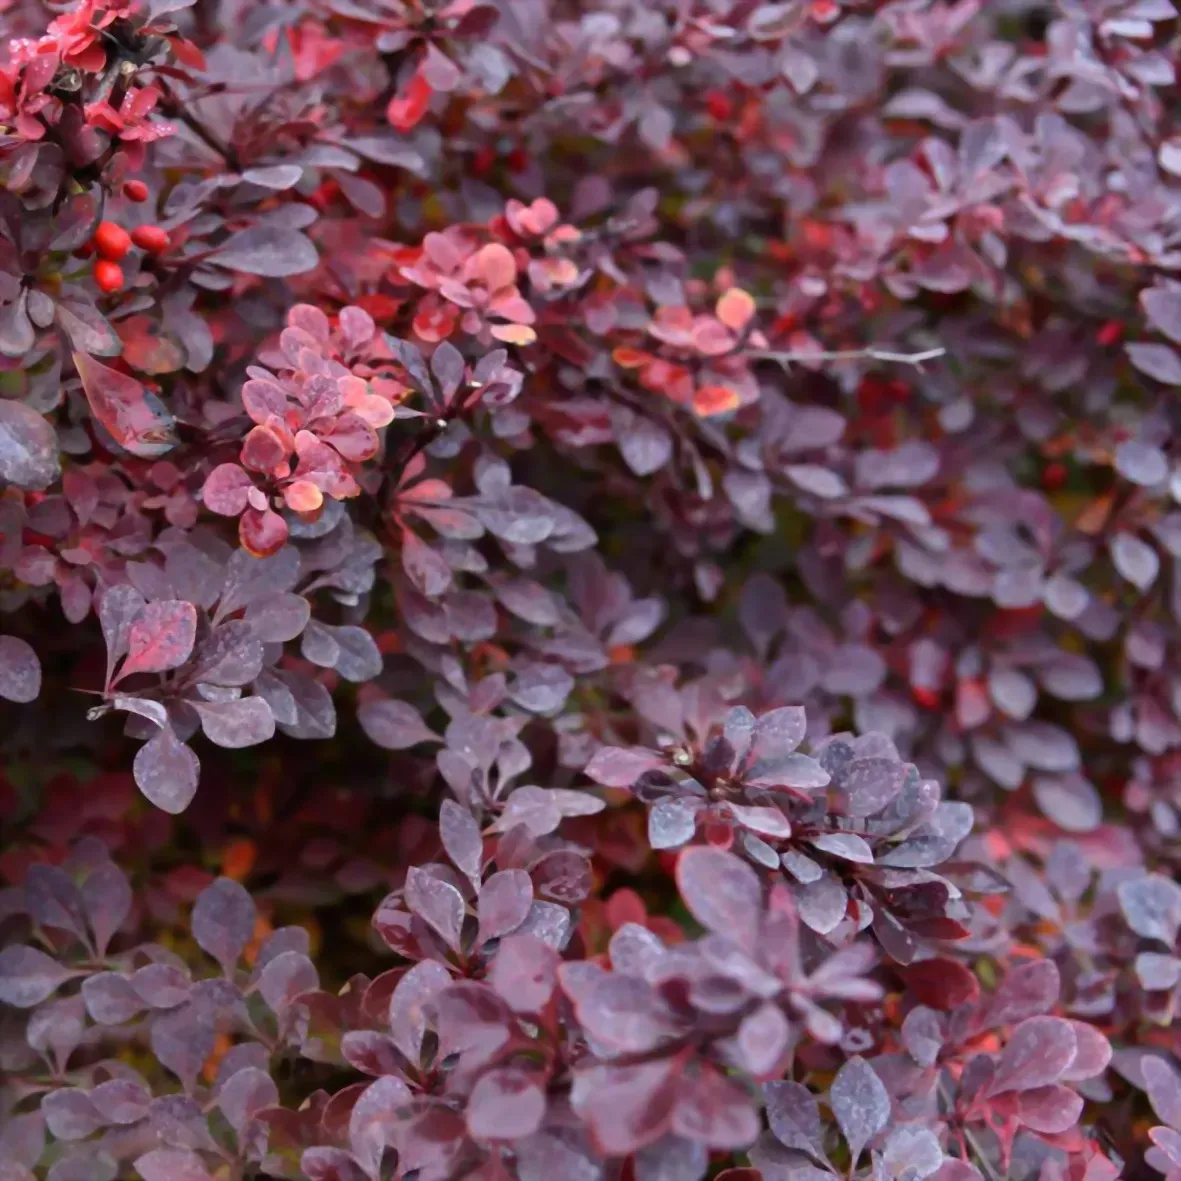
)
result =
(615, 766)
(330, 1164)
(715, 1111)
(269, 251)
(1026, 991)
(817, 480)
(504, 903)
(358, 658)
(765, 820)
(285, 978)
(822, 903)
(1136, 560)
(794, 770)
(794, 1117)
(506, 1104)
(182, 1042)
(245, 1093)
(848, 846)
(1092, 1056)
(374, 1121)
(118, 608)
(868, 785)
(439, 904)
(236, 724)
(69, 1114)
(1141, 463)
(121, 1101)
(370, 1052)
(28, 447)
(1162, 305)
(171, 1164)
(278, 617)
(912, 1151)
(448, 366)
(1164, 1089)
(166, 771)
(645, 446)
(763, 1039)
(407, 1016)
(394, 725)
(249, 579)
(106, 898)
(1151, 905)
(1070, 801)
(22, 1141)
(425, 566)
(672, 823)
(1039, 1051)
(1157, 360)
(55, 1029)
(17, 334)
(524, 972)
(163, 986)
(110, 998)
(315, 715)
(1167, 1140)
(20, 671)
(625, 1014)
(722, 893)
(161, 638)
(1050, 1109)
(860, 1102)
(54, 901)
(626, 1107)
(461, 838)
(28, 976)
(223, 922)
(672, 1158)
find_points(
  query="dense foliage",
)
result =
(591, 591)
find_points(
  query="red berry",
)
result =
(719, 106)
(483, 161)
(111, 241)
(135, 190)
(153, 239)
(1053, 477)
(108, 275)
(1110, 333)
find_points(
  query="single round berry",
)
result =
(1054, 476)
(111, 241)
(153, 239)
(108, 275)
(135, 190)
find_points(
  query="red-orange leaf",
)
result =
(133, 416)
(714, 399)
(161, 638)
(262, 533)
(405, 110)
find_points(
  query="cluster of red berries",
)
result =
(111, 242)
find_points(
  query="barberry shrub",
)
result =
(590, 591)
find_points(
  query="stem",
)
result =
(176, 110)
(869, 353)
(966, 1133)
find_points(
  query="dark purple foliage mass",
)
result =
(592, 591)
